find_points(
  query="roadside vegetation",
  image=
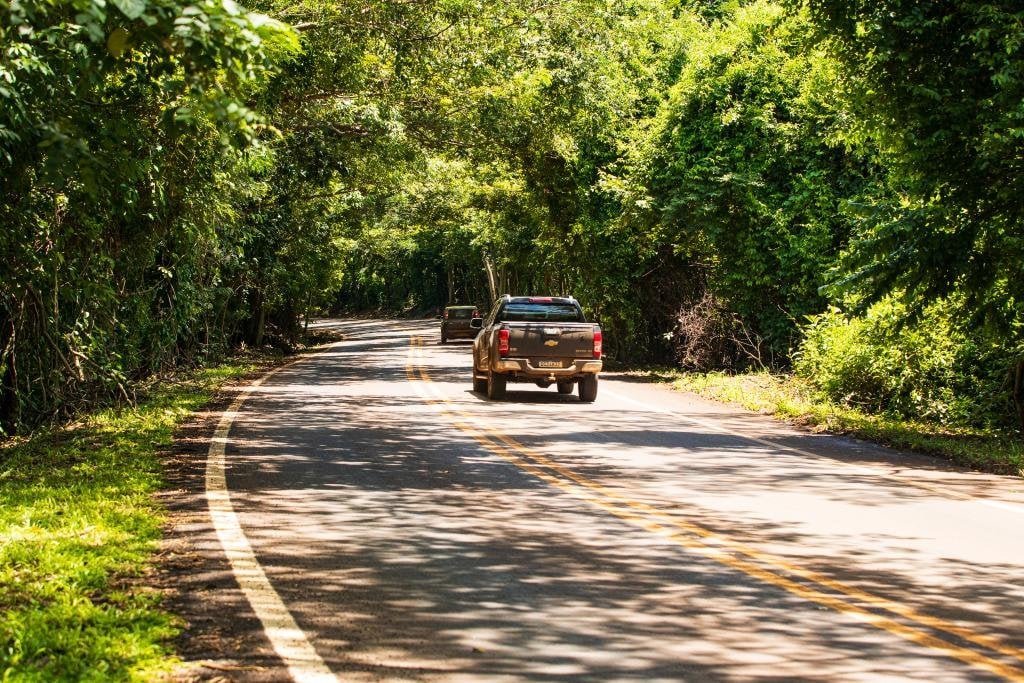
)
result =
(828, 187)
(78, 527)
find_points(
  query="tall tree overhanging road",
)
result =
(387, 523)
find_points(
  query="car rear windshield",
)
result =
(460, 312)
(528, 311)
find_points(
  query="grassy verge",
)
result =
(77, 524)
(791, 399)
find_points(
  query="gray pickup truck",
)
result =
(542, 340)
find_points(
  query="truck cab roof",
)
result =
(563, 309)
(539, 299)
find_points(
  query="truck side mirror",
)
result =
(476, 323)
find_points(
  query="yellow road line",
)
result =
(778, 562)
(705, 541)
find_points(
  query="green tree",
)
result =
(937, 92)
(743, 174)
(114, 122)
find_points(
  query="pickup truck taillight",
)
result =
(503, 342)
(598, 342)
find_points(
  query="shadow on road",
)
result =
(408, 551)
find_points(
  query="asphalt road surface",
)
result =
(388, 523)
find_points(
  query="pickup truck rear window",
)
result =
(540, 312)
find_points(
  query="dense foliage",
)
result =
(830, 184)
(119, 131)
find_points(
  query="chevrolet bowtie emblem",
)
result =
(551, 342)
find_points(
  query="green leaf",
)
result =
(117, 42)
(133, 9)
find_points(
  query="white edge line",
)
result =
(1009, 507)
(288, 640)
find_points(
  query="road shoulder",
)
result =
(221, 638)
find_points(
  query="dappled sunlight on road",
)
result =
(407, 548)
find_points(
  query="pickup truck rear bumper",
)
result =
(522, 366)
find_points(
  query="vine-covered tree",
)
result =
(179, 177)
(115, 188)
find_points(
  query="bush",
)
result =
(930, 369)
(709, 336)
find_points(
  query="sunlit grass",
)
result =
(789, 398)
(78, 525)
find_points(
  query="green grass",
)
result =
(78, 526)
(789, 398)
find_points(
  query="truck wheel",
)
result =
(495, 386)
(479, 384)
(588, 388)
(564, 387)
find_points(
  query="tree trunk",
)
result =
(224, 339)
(259, 321)
(9, 417)
(1018, 391)
(492, 279)
(503, 282)
(305, 315)
(261, 326)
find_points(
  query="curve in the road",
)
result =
(288, 640)
(725, 551)
(304, 664)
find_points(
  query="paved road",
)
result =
(415, 531)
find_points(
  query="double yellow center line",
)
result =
(888, 615)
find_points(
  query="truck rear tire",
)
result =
(588, 388)
(479, 384)
(495, 386)
(564, 387)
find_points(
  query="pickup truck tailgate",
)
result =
(551, 340)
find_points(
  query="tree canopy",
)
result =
(723, 184)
